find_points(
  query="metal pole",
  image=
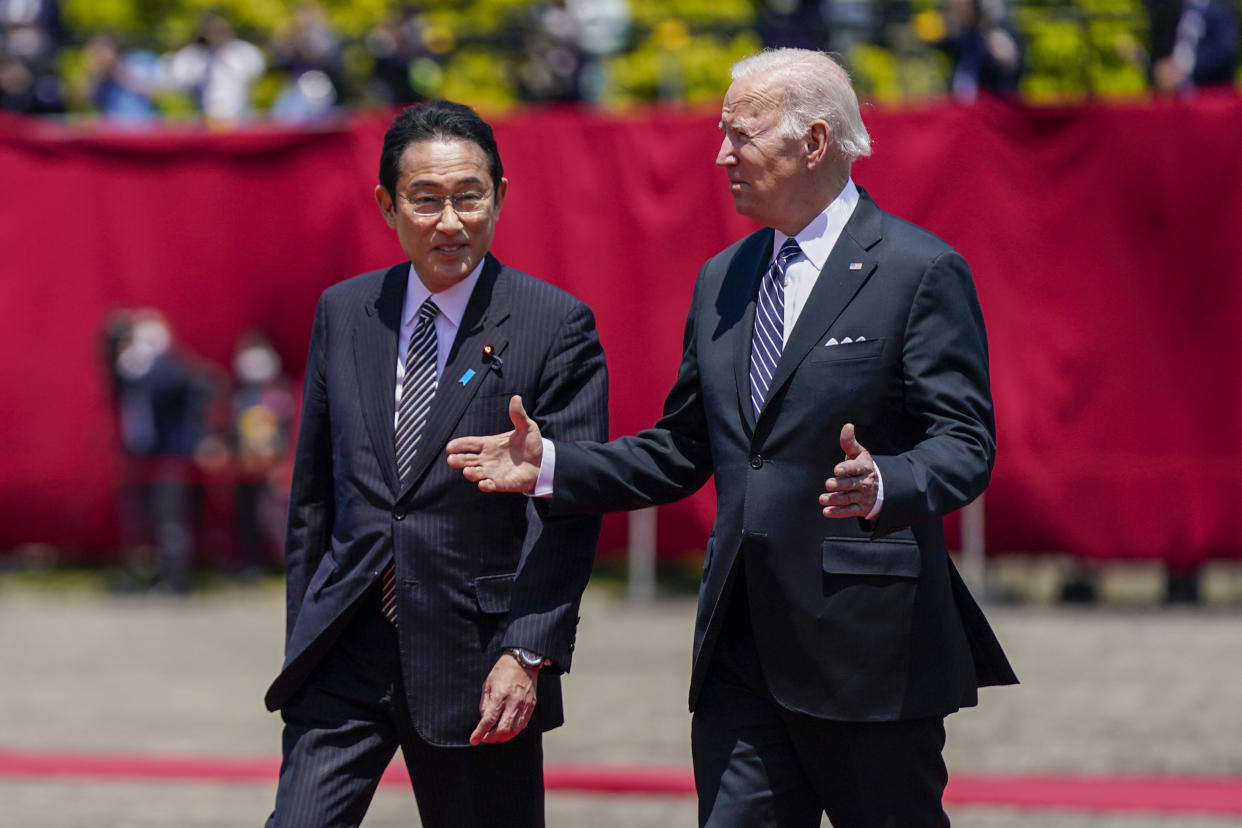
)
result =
(973, 560)
(642, 555)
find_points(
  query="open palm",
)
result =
(506, 462)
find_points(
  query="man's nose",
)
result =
(448, 221)
(725, 156)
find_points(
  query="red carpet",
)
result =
(1059, 792)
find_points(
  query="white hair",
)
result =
(816, 88)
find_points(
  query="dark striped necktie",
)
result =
(418, 386)
(768, 339)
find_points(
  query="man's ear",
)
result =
(817, 144)
(501, 189)
(384, 200)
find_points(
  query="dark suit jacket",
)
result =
(475, 572)
(853, 622)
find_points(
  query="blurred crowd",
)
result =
(302, 67)
(205, 454)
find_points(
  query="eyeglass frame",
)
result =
(450, 201)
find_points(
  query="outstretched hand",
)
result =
(853, 487)
(506, 462)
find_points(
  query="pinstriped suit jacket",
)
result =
(475, 573)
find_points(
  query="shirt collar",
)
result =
(820, 235)
(451, 301)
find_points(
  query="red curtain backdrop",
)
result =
(1104, 241)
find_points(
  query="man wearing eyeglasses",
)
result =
(422, 613)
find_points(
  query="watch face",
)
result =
(525, 658)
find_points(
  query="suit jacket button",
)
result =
(398, 515)
(756, 462)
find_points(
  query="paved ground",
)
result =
(1105, 690)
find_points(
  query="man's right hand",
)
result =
(506, 462)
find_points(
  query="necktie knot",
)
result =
(789, 250)
(427, 311)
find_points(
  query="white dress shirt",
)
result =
(816, 241)
(452, 304)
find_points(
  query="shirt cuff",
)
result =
(879, 494)
(547, 470)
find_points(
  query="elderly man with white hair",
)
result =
(834, 381)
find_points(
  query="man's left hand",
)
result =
(507, 703)
(853, 486)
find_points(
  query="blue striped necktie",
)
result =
(769, 336)
(418, 386)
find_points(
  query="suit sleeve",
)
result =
(558, 553)
(659, 465)
(947, 394)
(310, 497)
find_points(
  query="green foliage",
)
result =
(1111, 73)
(692, 69)
(698, 13)
(887, 77)
(353, 18)
(1083, 48)
(170, 23)
(678, 49)
(476, 77)
(1056, 54)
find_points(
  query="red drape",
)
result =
(1103, 240)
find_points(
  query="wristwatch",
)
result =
(529, 660)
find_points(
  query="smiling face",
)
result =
(444, 248)
(764, 166)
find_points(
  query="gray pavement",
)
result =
(1139, 690)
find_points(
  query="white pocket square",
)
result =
(846, 341)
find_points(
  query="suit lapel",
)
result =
(745, 271)
(848, 267)
(375, 359)
(466, 368)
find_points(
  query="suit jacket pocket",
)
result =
(324, 575)
(891, 557)
(866, 349)
(494, 592)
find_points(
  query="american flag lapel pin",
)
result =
(855, 265)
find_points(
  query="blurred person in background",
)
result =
(161, 398)
(263, 412)
(119, 83)
(798, 24)
(834, 634)
(1194, 45)
(421, 613)
(552, 58)
(219, 69)
(308, 51)
(30, 34)
(985, 49)
(395, 45)
(602, 28)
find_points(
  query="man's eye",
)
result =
(425, 201)
(468, 201)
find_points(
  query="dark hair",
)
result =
(429, 121)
